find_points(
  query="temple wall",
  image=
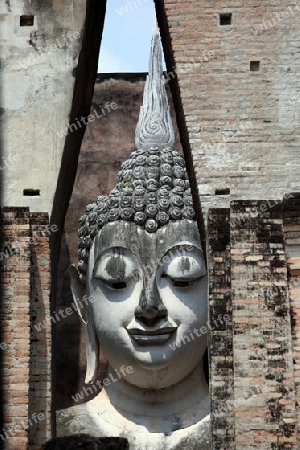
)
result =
(239, 92)
(291, 227)
(40, 379)
(264, 384)
(40, 43)
(26, 353)
(254, 357)
(16, 327)
(221, 364)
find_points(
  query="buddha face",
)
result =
(150, 295)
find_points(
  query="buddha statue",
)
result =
(142, 264)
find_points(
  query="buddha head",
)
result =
(141, 260)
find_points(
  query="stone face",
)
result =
(107, 144)
(138, 271)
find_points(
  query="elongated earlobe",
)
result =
(84, 311)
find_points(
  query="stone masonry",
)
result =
(40, 44)
(291, 227)
(16, 326)
(254, 359)
(221, 334)
(262, 340)
(25, 278)
(236, 92)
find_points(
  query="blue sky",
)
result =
(127, 36)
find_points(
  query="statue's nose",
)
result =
(150, 308)
(150, 314)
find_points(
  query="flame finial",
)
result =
(154, 128)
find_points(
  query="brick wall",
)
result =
(291, 226)
(263, 358)
(16, 325)
(221, 335)
(26, 355)
(40, 348)
(242, 125)
(255, 359)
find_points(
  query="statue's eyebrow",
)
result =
(122, 251)
(180, 250)
(119, 254)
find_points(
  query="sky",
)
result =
(126, 37)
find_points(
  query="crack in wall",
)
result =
(7, 2)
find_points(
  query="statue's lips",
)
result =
(151, 336)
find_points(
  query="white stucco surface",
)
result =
(37, 82)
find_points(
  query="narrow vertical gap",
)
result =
(82, 98)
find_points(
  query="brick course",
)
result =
(254, 365)
(221, 336)
(291, 227)
(26, 360)
(262, 346)
(240, 128)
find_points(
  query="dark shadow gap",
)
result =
(225, 19)
(82, 98)
(26, 21)
(31, 192)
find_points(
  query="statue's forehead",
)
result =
(146, 246)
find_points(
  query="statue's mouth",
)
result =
(151, 335)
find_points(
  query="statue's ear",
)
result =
(78, 289)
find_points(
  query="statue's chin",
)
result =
(155, 366)
(156, 379)
(151, 374)
(147, 374)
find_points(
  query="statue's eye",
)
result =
(181, 282)
(184, 268)
(116, 268)
(119, 285)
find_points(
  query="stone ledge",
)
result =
(86, 442)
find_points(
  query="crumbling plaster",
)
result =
(37, 78)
